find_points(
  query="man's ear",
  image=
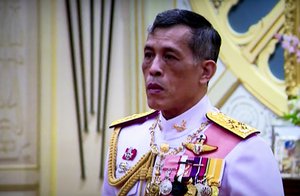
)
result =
(209, 68)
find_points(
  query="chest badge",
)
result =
(130, 154)
(199, 147)
(180, 127)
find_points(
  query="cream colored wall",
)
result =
(48, 84)
(60, 166)
(19, 97)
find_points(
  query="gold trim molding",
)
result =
(291, 66)
(246, 54)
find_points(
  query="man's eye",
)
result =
(148, 55)
(169, 57)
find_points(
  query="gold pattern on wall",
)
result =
(246, 54)
(291, 67)
(217, 3)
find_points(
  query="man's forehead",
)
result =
(177, 30)
(172, 35)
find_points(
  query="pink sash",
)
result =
(223, 139)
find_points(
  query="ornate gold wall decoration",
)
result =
(217, 3)
(246, 54)
(291, 67)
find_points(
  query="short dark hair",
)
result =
(205, 41)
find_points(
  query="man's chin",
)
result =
(155, 106)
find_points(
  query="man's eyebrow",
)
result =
(167, 48)
(147, 47)
(172, 49)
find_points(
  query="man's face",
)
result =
(171, 73)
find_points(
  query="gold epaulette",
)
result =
(133, 118)
(241, 129)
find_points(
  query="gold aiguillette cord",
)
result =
(142, 170)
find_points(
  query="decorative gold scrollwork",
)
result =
(291, 66)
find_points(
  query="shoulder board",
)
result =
(241, 129)
(135, 118)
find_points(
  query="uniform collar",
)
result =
(193, 117)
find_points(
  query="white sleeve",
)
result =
(251, 169)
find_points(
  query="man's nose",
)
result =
(156, 67)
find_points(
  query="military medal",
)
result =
(154, 186)
(166, 184)
(203, 190)
(199, 147)
(152, 189)
(215, 191)
(165, 187)
(123, 167)
(192, 190)
(129, 154)
(157, 186)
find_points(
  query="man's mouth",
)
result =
(154, 88)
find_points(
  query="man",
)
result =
(185, 146)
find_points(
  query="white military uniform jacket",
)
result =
(249, 169)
